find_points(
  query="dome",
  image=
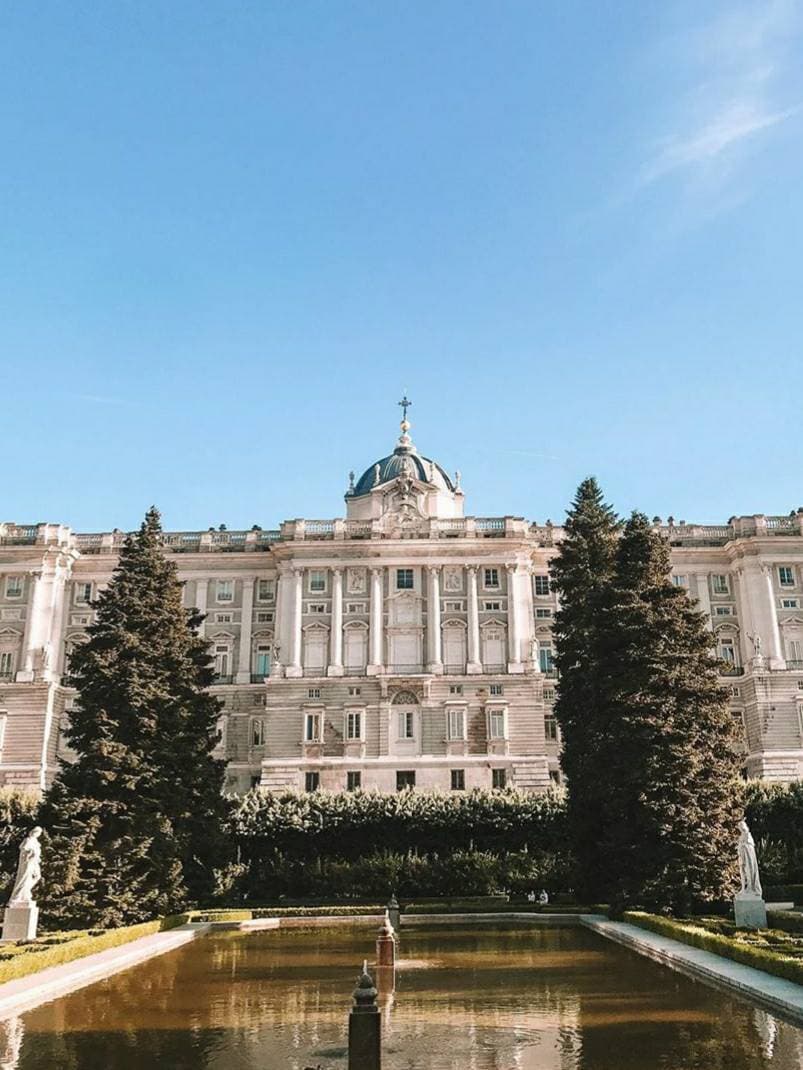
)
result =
(405, 460)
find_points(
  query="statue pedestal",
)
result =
(19, 922)
(750, 911)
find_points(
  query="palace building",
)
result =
(405, 645)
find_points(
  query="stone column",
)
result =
(777, 657)
(365, 1026)
(336, 635)
(434, 646)
(201, 595)
(246, 618)
(33, 627)
(703, 597)
(513, 643)
(474, 665)
(297, 615)
(377, 612)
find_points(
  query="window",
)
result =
(313, 728)
(404, 579)
(541, 584)
(497, 689)
(354, 691)
(680, 581)
(455, 689)
(405, 780)
(795, 647)
(264, 618)
(225, 591)
(492, 606)
(453, 607)
(498, 779)
(723, 611)
(14, 587)
(256, 780)
(353, 780)
(222, 660)
(458, 779)
(257, 733)
(549, 694)
(80, 618)
(262, 666)
(316, 607)
(736, 691)
(550, 728)
(542, 613)
(491, 578)
(355, 607)
(312, 781)
(406, 724)
(354, 724)
(496, 724)
(457, 724)
(265, 589)
(317, 580)
(545, 661)
(83, 593)
(223, 618)
(727, 651)
(790, 603)
(786, 576)
(719, 584)
(6, 664)
(314, 692)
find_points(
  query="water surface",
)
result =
(466, 998)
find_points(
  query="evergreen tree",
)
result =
(666, 739)
(580, 573)
(136, 822)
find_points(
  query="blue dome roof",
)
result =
(403, 458)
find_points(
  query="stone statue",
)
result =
(748, 863)
(377, 470)
(757, 644)
(29, 872)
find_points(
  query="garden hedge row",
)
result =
(687, 932)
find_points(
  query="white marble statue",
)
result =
(29, 871)
(748, 863)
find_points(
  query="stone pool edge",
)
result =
(775, 994)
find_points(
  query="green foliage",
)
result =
(54, 949)
(136, 824)
(649, 743)
(774, 813)
(349, 824)
(454, 873)
(768, 950)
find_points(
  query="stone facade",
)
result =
(406, 644)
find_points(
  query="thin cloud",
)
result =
(98, 399)
(737, 121)
(740, 69)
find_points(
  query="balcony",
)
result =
(404, 670)
(219, 679)
(6, 677)
(259, 677)
(794, 666)
(732, 670)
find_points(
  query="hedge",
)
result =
(782, 893)
(730, 947)
(54, 949)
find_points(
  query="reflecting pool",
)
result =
(467, 997)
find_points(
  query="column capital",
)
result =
(336, 571)
(434, 570)
(298, 571)
(377, 570)
(472, 570)
(510, 569)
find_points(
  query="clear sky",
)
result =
(233, 233)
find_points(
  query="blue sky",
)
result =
(231, 235)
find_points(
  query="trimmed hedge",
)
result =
(737, 947)
(781, 893)
(54, 949)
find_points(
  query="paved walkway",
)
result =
(22, 994)
(784, 998)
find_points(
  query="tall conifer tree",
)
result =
(666, 738)
(136, 821)
(580, 573)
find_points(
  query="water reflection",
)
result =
(476, 999)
